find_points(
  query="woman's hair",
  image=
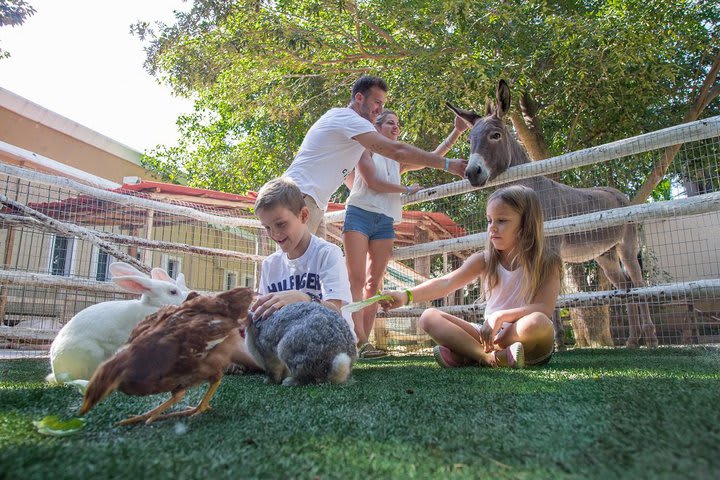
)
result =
(535, 256)
(381, 118)
(281, 192)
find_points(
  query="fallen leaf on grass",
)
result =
(53, 426)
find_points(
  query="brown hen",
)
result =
(172, 350)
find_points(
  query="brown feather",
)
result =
(175, 348)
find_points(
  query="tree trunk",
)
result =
(591, 325)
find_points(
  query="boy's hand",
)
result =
(268, 304)
(398, 300)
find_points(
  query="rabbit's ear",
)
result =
(159, 274)
(180, 282)
(122, 269)
(135, 284)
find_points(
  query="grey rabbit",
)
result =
(302, 343)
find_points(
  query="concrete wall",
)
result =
(29, 126)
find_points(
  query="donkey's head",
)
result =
(490, 140)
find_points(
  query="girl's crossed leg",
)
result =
(534, 331)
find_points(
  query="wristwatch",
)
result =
(314, 298)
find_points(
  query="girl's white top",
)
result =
(368, 199)
(506, 294)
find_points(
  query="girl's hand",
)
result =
(486, 337)
(272, 302)
(489, 330)
(399, 299)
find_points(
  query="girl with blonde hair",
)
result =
(520, 274)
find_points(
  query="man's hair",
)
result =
(281, 192)
(364, 84)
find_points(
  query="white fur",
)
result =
(341, 367)
(95, 333)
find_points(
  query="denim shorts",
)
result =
(375, 225)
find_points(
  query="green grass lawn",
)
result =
(588, 414)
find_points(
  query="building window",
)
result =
(61, 259)
(250, 282)
(103, 263)
(173, 267)
(231, 280)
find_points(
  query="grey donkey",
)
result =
(493, 149)
(303, 343)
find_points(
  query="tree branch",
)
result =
(707, 93)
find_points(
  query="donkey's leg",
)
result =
(610, 263)
(628, 255)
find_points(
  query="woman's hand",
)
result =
(414, 188)
(460, 124)
(399, 299)
(272, 302)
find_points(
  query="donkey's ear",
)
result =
(469, 117)
(488, 106)
(502, 99)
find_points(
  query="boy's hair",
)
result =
(281, 192)
(364, 84)
(536, 257)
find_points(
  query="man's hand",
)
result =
(457, 166)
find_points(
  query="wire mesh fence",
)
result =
(58, 238)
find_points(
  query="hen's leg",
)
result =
(201, 407)
(155, 412)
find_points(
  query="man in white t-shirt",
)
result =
(333, 146)
(305, 269)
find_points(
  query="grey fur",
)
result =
(303, 343)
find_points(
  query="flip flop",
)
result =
(367, 350)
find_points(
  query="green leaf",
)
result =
(51, 425)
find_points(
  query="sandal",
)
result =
(367, 350)
(514, 356)
(446, 358)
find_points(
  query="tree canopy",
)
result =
(14, 13)
(583, 73)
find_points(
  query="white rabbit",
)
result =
(95, 333)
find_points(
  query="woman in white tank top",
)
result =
(372, 208)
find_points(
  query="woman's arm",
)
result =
(459, 127)
(366, 169)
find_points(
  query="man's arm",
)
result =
(406, 153)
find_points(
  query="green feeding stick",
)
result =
(357, 306)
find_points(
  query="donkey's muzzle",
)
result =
(476, 171)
